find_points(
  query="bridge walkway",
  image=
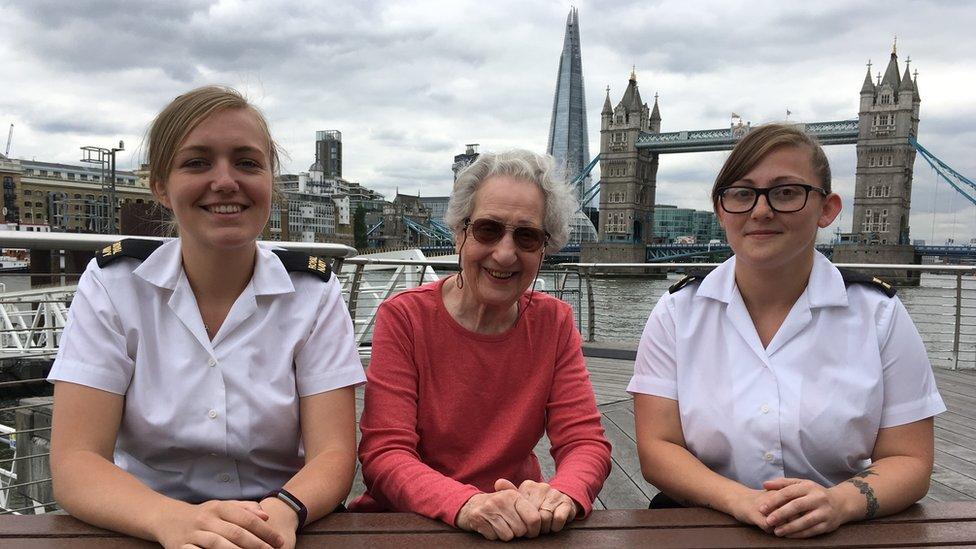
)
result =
(953, 478)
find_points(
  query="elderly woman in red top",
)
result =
(468, 372)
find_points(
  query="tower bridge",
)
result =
(841, 132)
(884, 133)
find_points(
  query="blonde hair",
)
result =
(183, 115)
(758, 143)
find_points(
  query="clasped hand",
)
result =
(528, 510)
(792, 508)
(222, 524)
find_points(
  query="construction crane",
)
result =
(10, 134)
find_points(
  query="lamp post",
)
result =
(103, 156)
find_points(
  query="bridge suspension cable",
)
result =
(958, 181)
(432, 232)
(442, 229)
(590, 193)
(374, 227)
(586, 171)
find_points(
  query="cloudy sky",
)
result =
(409, 83)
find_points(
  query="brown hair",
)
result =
(758, 143)
(183, 114)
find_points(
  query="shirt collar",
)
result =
(825, 287)
(720, 283)
(164, 267)
(270, 276)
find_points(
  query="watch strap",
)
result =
(291, 501)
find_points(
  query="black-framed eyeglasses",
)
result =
(788, 198)
(489, 231)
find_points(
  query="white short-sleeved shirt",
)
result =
(207, 419)
(846, 362)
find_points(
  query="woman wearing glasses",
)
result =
(778, 389)
(467, 373)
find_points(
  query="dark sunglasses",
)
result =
(489, 231)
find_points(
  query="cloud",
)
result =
(409, 84)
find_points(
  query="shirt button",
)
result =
(212, 414)
(768, 456)
(212, 362)
(764, 408)
(224, 477)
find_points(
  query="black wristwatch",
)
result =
(293, 502)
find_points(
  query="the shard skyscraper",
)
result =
(568, 142)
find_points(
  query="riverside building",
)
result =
(64, 197)
(673, 225)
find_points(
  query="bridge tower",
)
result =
(628, 179)
(885, 159)
(885, 162)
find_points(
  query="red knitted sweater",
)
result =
(449, 411)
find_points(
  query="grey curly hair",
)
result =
(539, 169)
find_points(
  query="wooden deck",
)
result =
(953, 478)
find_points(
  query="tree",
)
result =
(359, 227)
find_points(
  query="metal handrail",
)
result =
(360, 260)
(24, 431)
(23, 407)
(21, 382)
(30, 483)
(84, 241)
(29, 507)
(584, 272)
(962, 269)
(958, 271)
(41, 351)
(22, 458)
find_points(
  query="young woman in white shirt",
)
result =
(204, 387)
(778, 389)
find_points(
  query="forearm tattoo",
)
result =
(867, 491)
(865, 473)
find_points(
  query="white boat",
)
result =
(12, 264)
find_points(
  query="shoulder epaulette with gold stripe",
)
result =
(136, 248)
(694, 275)
(298, 262)
(855, 277)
